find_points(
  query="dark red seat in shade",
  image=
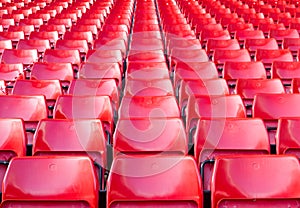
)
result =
(238, 180)
(150, 136)
(174, 182)
(231, 136)
(23, 185)
(296, 85)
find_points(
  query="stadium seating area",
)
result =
(149, 103)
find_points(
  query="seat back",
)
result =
(238, 180)
(59, 177)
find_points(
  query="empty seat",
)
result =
(154, 187)
(152, 137)
(248, 88)
(52, 36)
(219, 137)
(85, 107)
(280, 35)
(243, 35)
(150, 87)
(238, 180)
(16, 56)
(271, 107)
(5, 44)
(287, 137)
(221, 56)
(53, 189)
(269, 56)
(147, 56)
(81, 137)
(53, 71)
(254, 44)
(226, 106)
(13, 142)
(140, 44)
(212, 44)
(39, 45)
(105, 56)
(11, 72)
(101, 71)
(243, 70)
(296, 85)
(286, 71)
(29, 108)
(51, 89)
(82, 87)
(149, 107)
(63, 56)
(200, 87)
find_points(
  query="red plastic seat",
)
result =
(148, 187)
(52, 71)
(296, 85)
(214, 34)
(158, 87)
(80, 45)
(27, 29)
(232, 28)
(105, 56)
(88, 21)
(243, 35)
(118, 44)
(83, 137)
(36, 22)
(53, 189)
(84, 87)
(87, 35)
(67, 22)
(53, 29)
(138, 44)
(152, 137)
(15, 56)
(243, 70)
(5, 44)
(85, 107)
(52, 36)
(101, 71)
(225, 106)
(13, 142)
(29, 108)
(63, 56)
(293, 44)
(212, 44)
(254, 44)
(182, 55)
(193, 71)
(248, 88)
(279, 35)
(221, 56)
(201, 87)
(266, 181)
(183, 43)
(286, 71)
(220, 137)
(51, 89)
(147, 56)
(39, 45)
(13, 36)
(11, 72)
(287, 137)
(270, 56)
(156, 107)
(271, 107)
